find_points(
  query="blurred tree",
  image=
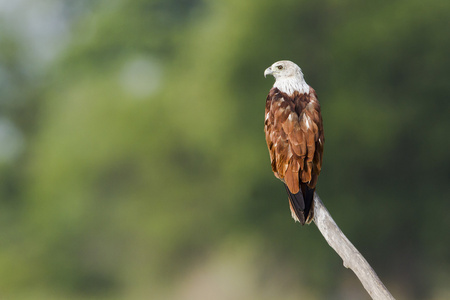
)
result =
(146, 171)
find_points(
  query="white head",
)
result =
(288, 77)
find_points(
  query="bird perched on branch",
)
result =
(294, 136)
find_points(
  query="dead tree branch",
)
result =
(350, 255)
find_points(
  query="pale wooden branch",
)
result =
(350, 255)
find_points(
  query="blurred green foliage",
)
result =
(140, 169)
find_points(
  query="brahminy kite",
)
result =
(294, 136)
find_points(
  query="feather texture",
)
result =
(294, 136)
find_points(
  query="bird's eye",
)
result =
(280, 67)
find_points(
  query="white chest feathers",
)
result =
(291, 84)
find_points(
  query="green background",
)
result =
(133, 163)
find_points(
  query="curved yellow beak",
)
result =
(268, 71)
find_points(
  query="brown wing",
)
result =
(312, 111)
(294, 136)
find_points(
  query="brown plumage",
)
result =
(294, 136)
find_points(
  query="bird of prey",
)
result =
(294, 136)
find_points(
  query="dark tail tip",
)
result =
(301, 203)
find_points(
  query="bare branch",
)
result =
(350, 255)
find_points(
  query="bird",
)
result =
(294, 134)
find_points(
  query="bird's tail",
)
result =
(301, 204)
